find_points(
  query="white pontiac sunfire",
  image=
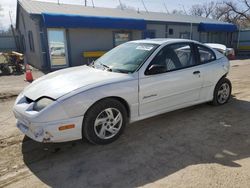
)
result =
(134, 81)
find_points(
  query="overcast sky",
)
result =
(152, 5)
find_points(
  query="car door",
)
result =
(178, 85)
(212, 69)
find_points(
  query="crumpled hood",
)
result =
(59, 83)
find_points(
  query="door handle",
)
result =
(196, 72)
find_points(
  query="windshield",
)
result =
(125, 58)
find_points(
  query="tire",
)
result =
(222, 92)
(100, 126)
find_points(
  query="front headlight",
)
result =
(19, 98)
(42, 103)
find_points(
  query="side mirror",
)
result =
(156, 69)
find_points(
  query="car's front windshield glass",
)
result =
(125, 58)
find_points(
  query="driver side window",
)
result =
(172, 57)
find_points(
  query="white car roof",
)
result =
(161, 41)
(217, 46)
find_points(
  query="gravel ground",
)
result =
(200, 146)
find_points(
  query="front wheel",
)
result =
(105, 121)
(222, 92)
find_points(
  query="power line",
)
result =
(164, 4)
(120, 2)
(144, 5)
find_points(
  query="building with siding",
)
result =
(56, 36)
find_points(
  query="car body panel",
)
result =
(169, 89)
(59, 83)
(228, 52)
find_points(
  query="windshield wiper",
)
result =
(92, 64)
(107, 67)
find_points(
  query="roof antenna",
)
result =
(120, 2)
(144, 5)
(93, 3)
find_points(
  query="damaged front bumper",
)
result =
(49, 131)
(37, 133)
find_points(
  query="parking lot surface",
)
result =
(200, 146)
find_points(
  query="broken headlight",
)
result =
(42, 103)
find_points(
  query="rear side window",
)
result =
(206, 55)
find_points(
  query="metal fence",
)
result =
(244, 40)
(7, 43)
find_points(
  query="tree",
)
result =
(229, 11)
(233, 12)
(123, 6)
(243, 12)
(204, 10)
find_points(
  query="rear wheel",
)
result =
(222, 92)
(105, 121)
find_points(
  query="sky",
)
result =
(151, 5)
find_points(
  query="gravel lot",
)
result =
(200, 146)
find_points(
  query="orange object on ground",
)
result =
(28, 74)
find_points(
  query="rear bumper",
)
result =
(49, 131)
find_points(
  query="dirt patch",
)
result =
(7, 96)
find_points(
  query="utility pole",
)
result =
(238, 40)
(13, 31)
(85, 3)
(93, 5)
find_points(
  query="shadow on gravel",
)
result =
(149, 150)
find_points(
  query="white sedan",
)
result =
(134, 81)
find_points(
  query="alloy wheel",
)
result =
(108, 123)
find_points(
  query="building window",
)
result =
(31, 41)
(121, 37)
(57, 48)
(171, 31)
(148, 34)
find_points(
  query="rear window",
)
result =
(206, 54)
